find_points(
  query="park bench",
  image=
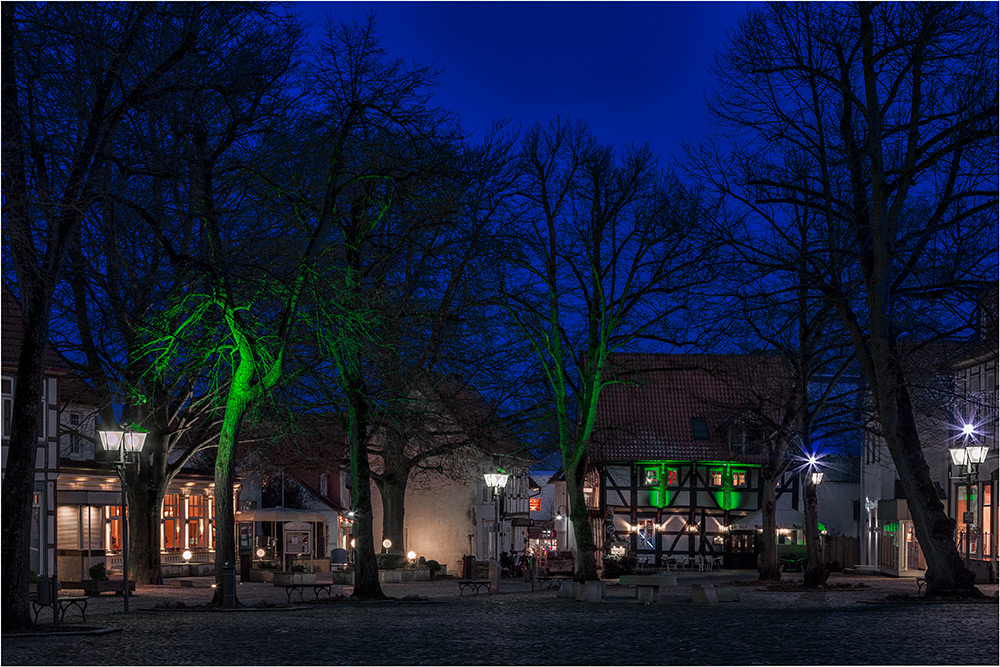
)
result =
(475, 585)
(553, 580)
(61, 605)
(647, 587)
(316, 588)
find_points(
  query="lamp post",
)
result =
(128, 444)
(496, 481)
(970, 456)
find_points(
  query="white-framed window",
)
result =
(743, 440)
(75, 440)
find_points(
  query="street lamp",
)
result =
(496, 481)
(128, 444)
(970, 456)
(816, 477)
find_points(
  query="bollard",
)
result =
(228, 586)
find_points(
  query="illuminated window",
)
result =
(173, 522)
(114, 527)
(671, 476)
(739, 478)
(651, 477)
(197, 523)
(715, 477)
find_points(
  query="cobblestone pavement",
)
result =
(521, 626)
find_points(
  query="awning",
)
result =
(784, 517)
(278, 514)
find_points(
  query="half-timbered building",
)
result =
(676, 455)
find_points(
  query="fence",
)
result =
(844, 550)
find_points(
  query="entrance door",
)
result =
(912, 557)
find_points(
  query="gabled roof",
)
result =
(648, 412)
(12, 324)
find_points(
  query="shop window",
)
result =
(739, 478)
(113, 536)
(173, 522)
(699, 428)
(715, 477)
(987, 519)
(197, 523)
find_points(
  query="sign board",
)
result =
(296, 542)
(534, 504)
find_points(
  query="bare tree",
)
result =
(610, 251)
(71, 76)
(879, 121)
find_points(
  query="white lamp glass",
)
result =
(817, 477)
(495, 480)
(959, 456)
(387, 543)
(134, 441)
(977, 453)
(111, 440)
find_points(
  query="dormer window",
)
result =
(744, 440)
(699, 428)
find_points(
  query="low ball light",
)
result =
(387, 543)
(186, 555)
(260, 553)
(411, 555)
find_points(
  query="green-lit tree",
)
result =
(878, 121)
(609, 253)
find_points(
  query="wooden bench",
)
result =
(316, 588)
(647, 587)
(475, 584)
(62, 604)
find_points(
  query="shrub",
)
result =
(98, 572)
(616, 566)
(298, 568)
(390, 561)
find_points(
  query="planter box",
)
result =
(260, 574)
(116, 586)
(343, 577)
(294, 578)
(390, 576)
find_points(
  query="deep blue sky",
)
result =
(635, 71)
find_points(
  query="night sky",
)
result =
(634, 71)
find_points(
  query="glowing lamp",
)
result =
(352, 543)
(130, 441)
(411, 555)
(816, 477)
(496, 480)
(186, 555)
(260, 553)
(959, 456)
(977, 453)
(968, 429)
(559, 516)
(387, 543)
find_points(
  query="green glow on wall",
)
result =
(728, 499)
(659, 497)
(891, 527)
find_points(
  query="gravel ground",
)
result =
(521, 626)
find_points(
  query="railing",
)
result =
(113, 562)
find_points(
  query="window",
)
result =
(75, 441)
(739, 478)
(173, 518)
(324, 484)
(7, 406)
(699, 428)
(715, 477)
(671, 476)
(113, 537)
(743, 440)
(651, 477)
(197, 523)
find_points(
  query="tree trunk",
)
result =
(366, 585)
(145, 500)
(393, 490)
(767, 564)
(935, 530)
(816, 573)
(225, 471)
(586, 562)
(19, 473)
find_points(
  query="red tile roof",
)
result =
(647, 414)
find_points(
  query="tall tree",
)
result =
(609, 252)
(71, 75)
(880, 121)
